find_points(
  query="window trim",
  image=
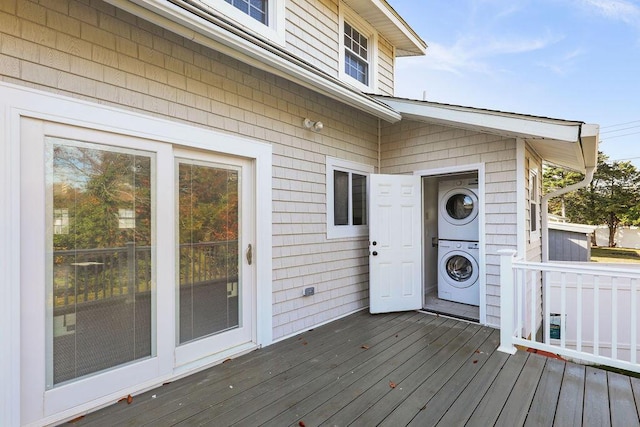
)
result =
(342, 231)
(369, 32)
(273, 30)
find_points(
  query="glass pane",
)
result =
(340, 198)
(459, 268)
(359, 193)
(208, 217)
(101, 263)
(459, 206)
(257, 9)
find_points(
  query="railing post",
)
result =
(507, 309)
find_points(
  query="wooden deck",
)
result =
(390, 370)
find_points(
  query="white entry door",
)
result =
(395, 243)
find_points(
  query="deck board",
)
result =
(571, 399)
(596, 398)
(445, 372)
(623, 408)
(543, 407)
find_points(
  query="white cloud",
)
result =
(475, 53)
(620, 10)
(564, 64)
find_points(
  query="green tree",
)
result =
(612, 197)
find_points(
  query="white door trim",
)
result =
(17, 102)
(482, 261)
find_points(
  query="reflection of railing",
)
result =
(86, 275)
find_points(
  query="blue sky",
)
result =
(567, 59)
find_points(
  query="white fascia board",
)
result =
(199, 30)
(590, 136)
(486, 121)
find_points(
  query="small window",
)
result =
(257, 9)
(61, 221)
(126, 218)
(534, 230)
(347, 184)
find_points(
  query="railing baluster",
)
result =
(596, 315)
(534, 297)
(520, 289)
(634, 321)
(579, 314)
(614, 319)
(563, 308)
(546, 285)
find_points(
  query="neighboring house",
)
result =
(185, 181)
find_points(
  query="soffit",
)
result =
(391, 25)
(557, 141)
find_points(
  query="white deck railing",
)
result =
(581, 311)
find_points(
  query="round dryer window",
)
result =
(460, 206)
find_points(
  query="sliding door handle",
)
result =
(249, 254)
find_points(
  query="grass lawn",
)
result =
(601, 254)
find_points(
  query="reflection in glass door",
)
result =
(208, 217)
(100, 292)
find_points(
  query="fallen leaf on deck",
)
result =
(129, 399)
(366, 347)
(392, 384)
(228, 359)
(301, 424)
(475, 361)
(477, 351)
(75, 420)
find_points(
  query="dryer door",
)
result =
(461, 269)
(459, 206)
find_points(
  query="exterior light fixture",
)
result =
(310, 124)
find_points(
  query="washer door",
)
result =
(460, 269)
(459, 206)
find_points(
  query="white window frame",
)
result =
(342, 231)
(369, 32)
(273, 30)
(534, 204)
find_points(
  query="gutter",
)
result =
(545, 207)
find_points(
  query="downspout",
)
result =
(379, 142)
(545, 207)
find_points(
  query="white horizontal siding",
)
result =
(312, 32)
(385, 67)
(411, 146)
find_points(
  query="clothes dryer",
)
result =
(458, 271)
(458, 210)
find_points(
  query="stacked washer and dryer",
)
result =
(458, 235)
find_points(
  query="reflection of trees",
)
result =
(94, 257)
(93, 185)
(208, 213)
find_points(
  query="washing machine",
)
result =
(458, 209)
(458, 271)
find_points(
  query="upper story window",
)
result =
(356, 56)
(265, 18)
(257, 9)
(347, 189)
(358, 52)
